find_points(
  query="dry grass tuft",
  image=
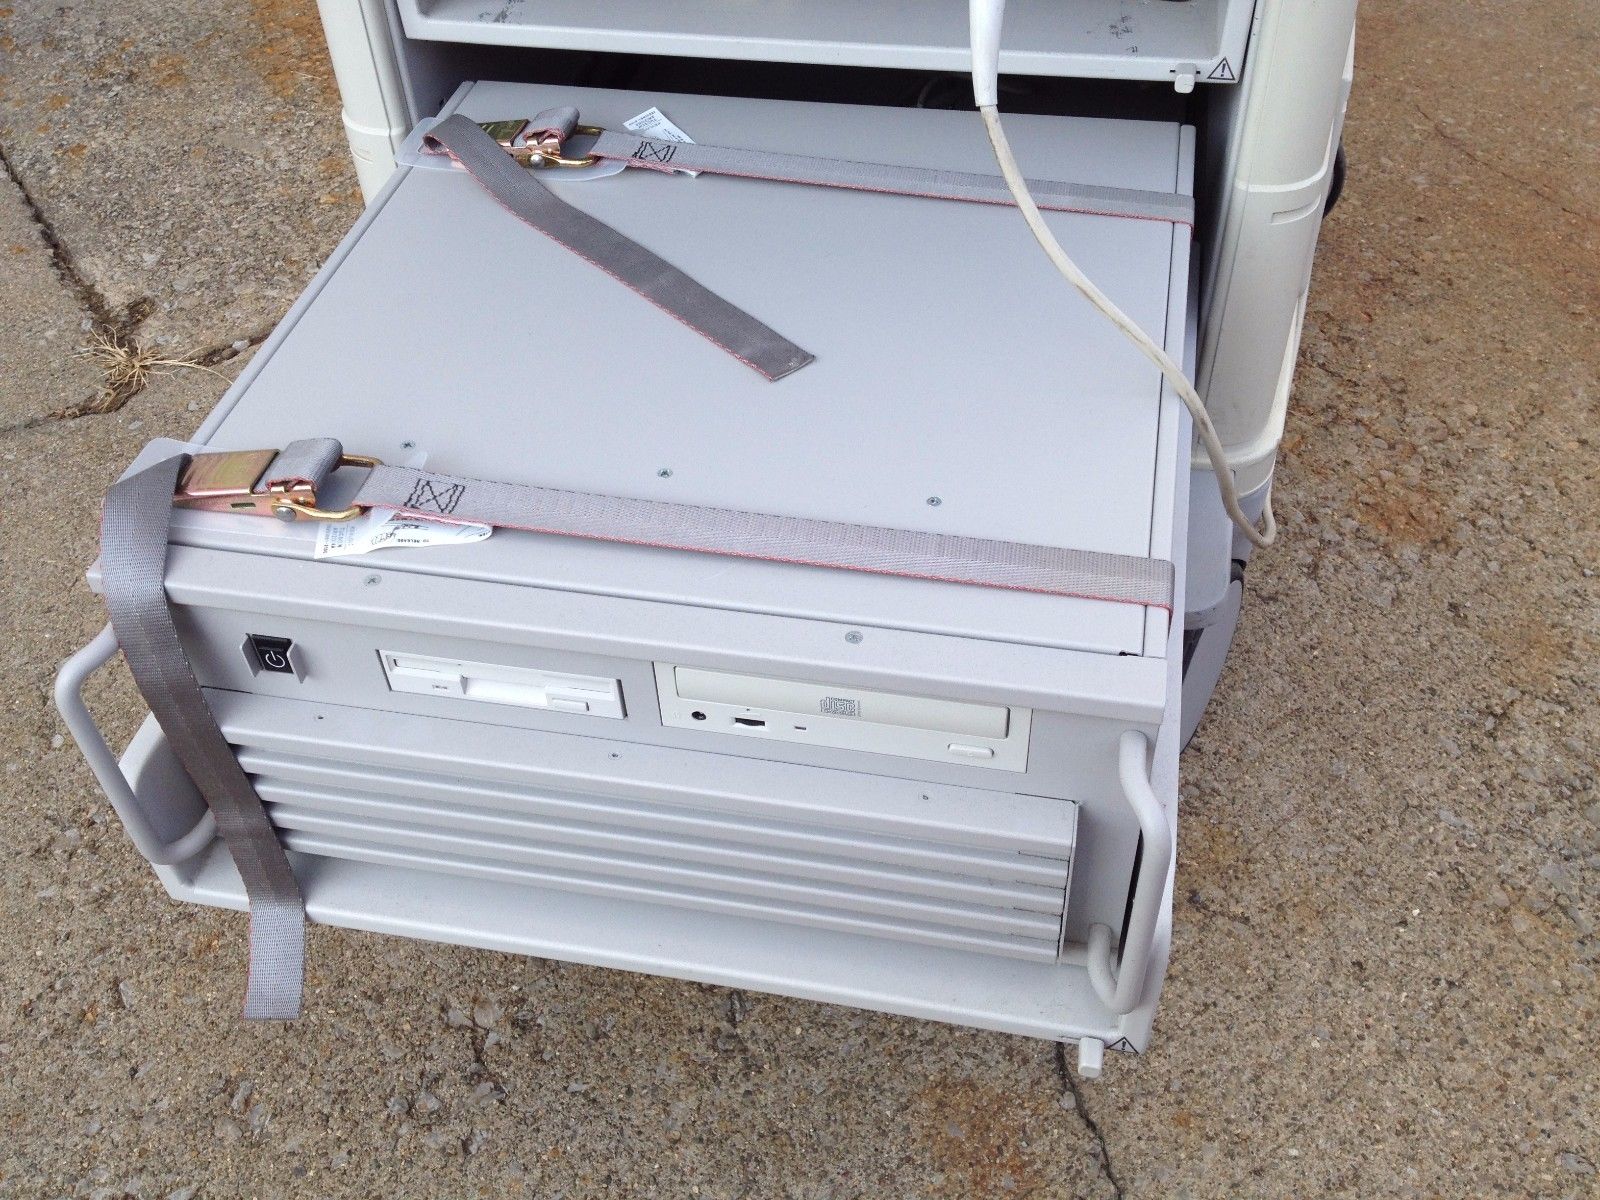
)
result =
(127, 366)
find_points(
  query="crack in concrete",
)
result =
(99, 405)
(90, 298)
(30, 423)
(1070, 1082)
(231, 350)
(1334, 373)
(110, 324)
(1466, 151)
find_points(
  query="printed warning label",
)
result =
(653, 123)
(381, 529)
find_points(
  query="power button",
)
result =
(272, 653)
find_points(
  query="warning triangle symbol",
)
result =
(1223, 72)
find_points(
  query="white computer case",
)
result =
(890, 869)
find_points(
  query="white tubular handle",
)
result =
(102, 761)
(1121, 987)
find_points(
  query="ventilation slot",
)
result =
(931, 882)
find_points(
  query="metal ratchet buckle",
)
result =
(546, 152)
(226, 482)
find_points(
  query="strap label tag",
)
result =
(379, 529)
(653, 123)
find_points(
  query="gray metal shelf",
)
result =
(1105, 39)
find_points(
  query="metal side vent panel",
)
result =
(873, 868)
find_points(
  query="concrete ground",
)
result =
(1384, 973)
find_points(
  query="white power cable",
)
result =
(985, 34)
(1147, 346)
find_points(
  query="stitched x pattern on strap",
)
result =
(982, 562)
(1052, 195)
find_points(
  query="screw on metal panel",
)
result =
(935, 501)
(853, 637)
(373, 580)
(665, 472)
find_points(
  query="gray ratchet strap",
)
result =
(133, 557)
(943, 557)
(287, 483)
(1052, 195)
(658, 281)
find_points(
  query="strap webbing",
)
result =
(522, 193)
(137, 517)
(1052, 195)
(1014, 566)
(133, 556)
(306, 462)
